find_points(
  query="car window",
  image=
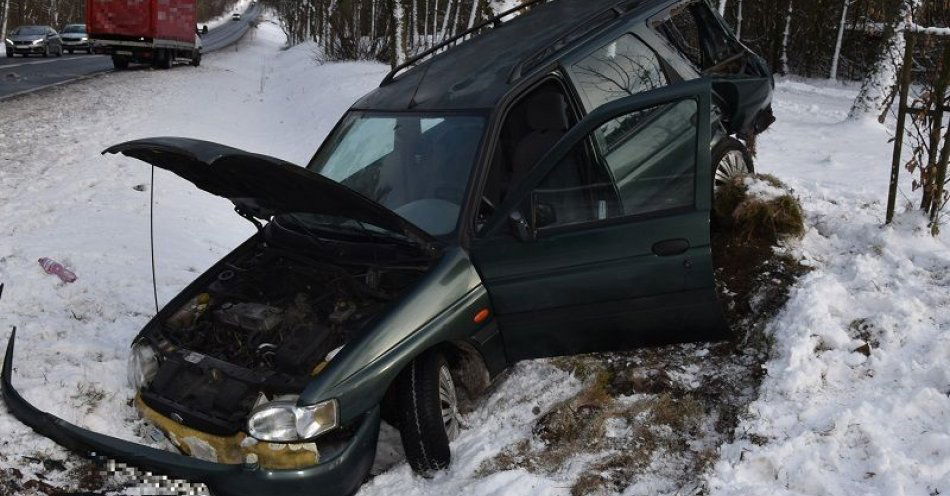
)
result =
(617, 70)
(699, 35)
(622, 68)
(682, 31)
(647, 167)
(417, 165)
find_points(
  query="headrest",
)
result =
(547, 112)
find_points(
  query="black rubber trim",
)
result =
(338, 475)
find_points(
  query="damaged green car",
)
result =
(535, 187)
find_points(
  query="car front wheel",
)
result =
(731, 159)
(428, 412)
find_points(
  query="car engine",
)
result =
(269, 320)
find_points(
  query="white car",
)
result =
(236, 16)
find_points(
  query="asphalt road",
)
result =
(19, 75)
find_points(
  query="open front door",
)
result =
(605, 245)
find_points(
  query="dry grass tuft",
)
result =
(758, 219)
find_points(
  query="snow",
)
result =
(829, 420)
(836, 421)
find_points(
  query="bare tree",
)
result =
(785, 36)
(837, 54)
(880, 83)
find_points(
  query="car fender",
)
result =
(439, 310)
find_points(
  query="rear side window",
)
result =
(623, 68)
(682, 31)
(697, 33)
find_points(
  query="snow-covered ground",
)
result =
(829, 420)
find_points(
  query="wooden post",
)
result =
(930, 198)
(906, 76)
(938, 202)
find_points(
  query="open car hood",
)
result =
(262, 186)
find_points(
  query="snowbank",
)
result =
(856, 396)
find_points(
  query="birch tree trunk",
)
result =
(785, 36)
(471, 17)
(880, 82)
(6, 14)
(455, 21)
(833, 75)
(722, 7)
(738, 20)
(445, 20)
(400, 49)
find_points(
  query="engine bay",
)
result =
(266, 321)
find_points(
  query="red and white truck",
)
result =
(157, 32)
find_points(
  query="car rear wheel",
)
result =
(428, 412)
(731, 159)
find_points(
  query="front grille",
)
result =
(23, 43)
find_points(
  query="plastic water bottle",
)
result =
(55, 268)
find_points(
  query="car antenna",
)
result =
(151, 228)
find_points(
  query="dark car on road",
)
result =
(538, 186)
(34, 40)
(76, 38)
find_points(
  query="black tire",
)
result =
(730, 158)
(120, 63)
(70, 51)
(196, 59)
(167, 60)
(89, 50)
(59, 53)
(46, 51)
(424, 429)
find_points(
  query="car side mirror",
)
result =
(544, 215)
(520, 227)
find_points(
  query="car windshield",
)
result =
(75, 28)
(417, 165)
(30, 30)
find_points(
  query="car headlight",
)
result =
(37, 42)
(84, 38)
(143, 365)
(285, 422)
(8, 41)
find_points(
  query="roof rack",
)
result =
(584, 28)
(458, 39)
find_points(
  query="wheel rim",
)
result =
(448, 403)
(732, 164)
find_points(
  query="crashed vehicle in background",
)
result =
(473, 211)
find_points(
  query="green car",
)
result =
(535, 187)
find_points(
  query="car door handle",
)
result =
(671, 247)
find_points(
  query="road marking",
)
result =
(39, 62)
(53, 85)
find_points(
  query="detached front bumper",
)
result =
(336, 476)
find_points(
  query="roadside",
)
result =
(61, 199)
(853, 396)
